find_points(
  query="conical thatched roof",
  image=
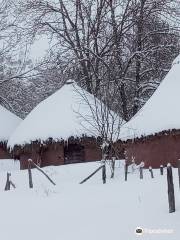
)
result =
(66, 113)
(8, 123)
(161, 112)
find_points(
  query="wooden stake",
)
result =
(113, 167)
(151, 171)
(104, 173)
(161, 169)
(7, 187)
(141, 172)
(126, 170)
(30, 174)
(45, 174)
(92, 174)
(171, 198)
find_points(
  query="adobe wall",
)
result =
(92, 152)
(53, 155)
(155, 151)
(29, 155)
(4, 154)
(119, 148)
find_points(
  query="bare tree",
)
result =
(102, 122)
(14, 62)
(127, 45)
(144, 52)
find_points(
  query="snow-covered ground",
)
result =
(9, 165)
(91, 211)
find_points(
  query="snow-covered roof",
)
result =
(66, 113)
(8, 123)
(161, 112)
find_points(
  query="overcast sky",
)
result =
(38, 49)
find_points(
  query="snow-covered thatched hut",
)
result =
(60, 130)
(153, 134)
(8, 123)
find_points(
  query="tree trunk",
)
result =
(140, 23)
(124, 102)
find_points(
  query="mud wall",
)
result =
(156, 151)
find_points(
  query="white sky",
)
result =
(38, 49)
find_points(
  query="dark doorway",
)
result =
(74, 153)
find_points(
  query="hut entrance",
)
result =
(74, 153)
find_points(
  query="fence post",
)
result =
(171, 198)
(104, 172)
(92, 174)
(141, 172)
(7, 187)
(40, 170)
(30, 174)
(179, 171)
(133, 165)
(151, 171)
(126, 170)
(113, 166)
(161, 169)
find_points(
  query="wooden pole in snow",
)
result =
(141, 172)
(9, 183)
(7, 187)
(92, 174)
(179, 171)
(104, 172)
(151, 171)
(161, 169)
(126, 170)
(39, 169)
(171, 198)
(30, 174)
(113, 166)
